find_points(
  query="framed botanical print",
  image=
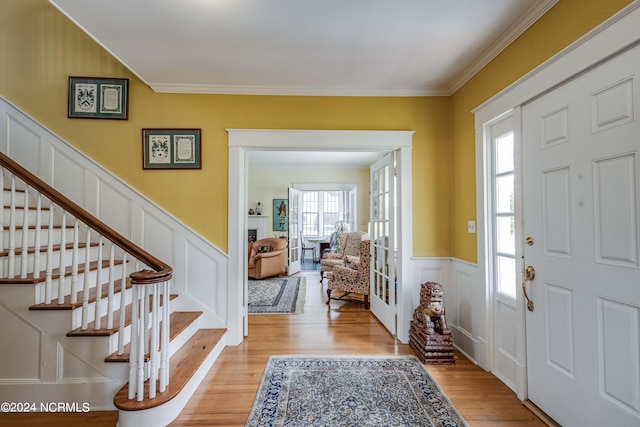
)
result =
(98, 98)
(171, 149)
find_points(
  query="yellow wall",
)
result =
(563, 24)
(266, 184)
(40, 48)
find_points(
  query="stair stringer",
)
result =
(43, 342)
(163, 415)
(200, 269)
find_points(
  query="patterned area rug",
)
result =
(277, 295)
(298, 391)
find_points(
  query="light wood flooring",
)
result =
(225, 396)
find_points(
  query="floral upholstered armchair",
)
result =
(349, 246)
(353, 276)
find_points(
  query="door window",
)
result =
(503, 214)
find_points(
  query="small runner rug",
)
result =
(358, 391)
(277, 295)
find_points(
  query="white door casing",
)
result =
(614, 35)
(243, 140)
(382, 217)
(581, 146)
(295, 221)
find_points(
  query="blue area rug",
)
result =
(299, 391)
(276, 295)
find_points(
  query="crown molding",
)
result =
(515, 31)
(296, 90)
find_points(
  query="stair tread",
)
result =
(55, 273)
(182, 366)
(44, 249)
(31, 208)
(103, 331)
(68, 305)
(42, 227)
(178, 322)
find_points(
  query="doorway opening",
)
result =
(242, 141)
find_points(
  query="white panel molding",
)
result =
(555, 127)
(97, 190)
(556, 197)
(613, 106)
(618, 331)
(506, 357)
(560, 329)
(460, 281)
(12, 324)
(617, 243)
(89, 174)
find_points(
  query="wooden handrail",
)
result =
(160, 271)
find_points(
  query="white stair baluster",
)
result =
(153, 346)
(112, 273)
(86, 285)
(61, 265)
(75, 261)
(38, 238)
(12, 230)
(133, 345)
(146, 323)
(48, 284)
(164, 339)
(98, 281)
(140, 347)
(2, 210)
(122, 307)
(24, 255)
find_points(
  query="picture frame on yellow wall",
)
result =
(171, 149)
(280, 214)
(98, 98)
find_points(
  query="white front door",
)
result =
(383, 241)
(295, 243)
(581, 145)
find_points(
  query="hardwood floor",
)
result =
(225, 396)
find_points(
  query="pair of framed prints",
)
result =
(105, 98)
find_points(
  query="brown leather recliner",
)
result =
(267, 257)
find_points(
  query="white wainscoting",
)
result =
(464, 300)
(200, 270)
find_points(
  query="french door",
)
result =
(295, 221)
(581, 146)
(383, 241)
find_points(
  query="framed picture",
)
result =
(280, 214)
(98, 98)
(171, 149)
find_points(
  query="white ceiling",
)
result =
(305, 47)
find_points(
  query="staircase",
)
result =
(101, 301)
